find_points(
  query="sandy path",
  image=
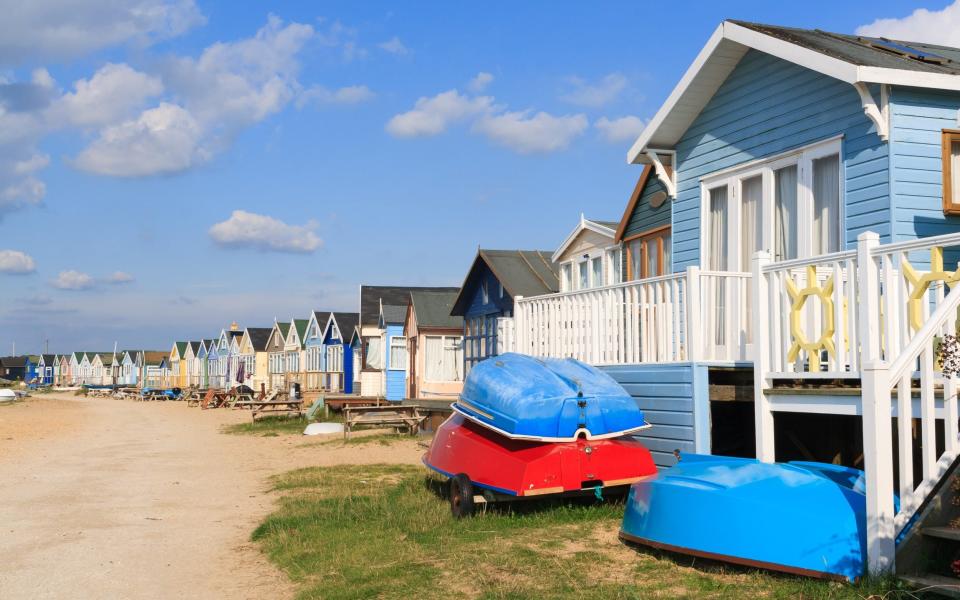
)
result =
(105, 498)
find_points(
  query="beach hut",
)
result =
(16, 368)
(487, 295)
(45, 369)
(356, 352)
(275, 353)
(314, 356)
(294, 352)
(392, 317)
(434, 346)
(338, 351)
(155, 367)
(255, 357)
(590, 256)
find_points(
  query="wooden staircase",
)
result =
(927, 549)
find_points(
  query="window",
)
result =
(398, 353)
(334, 358)
(443, 358)
(373, 355)
(566, 277)
(789, 205)
(583, 275)
(596, 271)
(648, 254)
(614, 266)
(484, 292)
(951, 171)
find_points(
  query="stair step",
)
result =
(945, 586)
(946, 533)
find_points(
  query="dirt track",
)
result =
(105, 498)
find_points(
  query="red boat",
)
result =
(484, 466)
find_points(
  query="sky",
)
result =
(170, 166)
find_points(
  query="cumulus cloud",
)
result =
(527, 134)
(922, 25)
(73, 280)
(15, 262)
(259, 232)
(600, 93)
(480, 82)
(317, 94)
(55, 29)
(620, 130)
(115, 91)
(431, 116)
(394, 46)
(119, 277)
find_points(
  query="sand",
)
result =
(104, 498)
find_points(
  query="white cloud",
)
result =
(259, 232)
(114, 92)
(526, 134)
(165, 139)
(55, 29)
(922, 25)
(73, 280)
(352, 94)
(431, 116)
(620, 130)
(480, 82)
(596, 94)
(16, 263)
(119, 277)
(394, 46)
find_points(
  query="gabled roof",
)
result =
(153, 357)
(300, 326)
(432, 309)
(14, 361)
(848, 58)
(48, 358)
(259, 336)
(606, 228)
(393, 314)
(194, 347)
(520, 272)
(346, 323)
(371, 296)
(181, 348)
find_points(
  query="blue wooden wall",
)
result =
(495, 305)
(917, 118)
(766, 107)
(396, 378)
(643, 216)
(674, 399)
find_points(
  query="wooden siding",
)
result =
(495, 305)
(917, 118)
(768, 106)
(396, 379)
(645, 217)
(586, 241)
(667, 396)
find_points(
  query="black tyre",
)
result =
(461, 496)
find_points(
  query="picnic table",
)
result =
(400, 417)
(286, 405)
(153, 395)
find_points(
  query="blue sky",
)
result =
(360, 142)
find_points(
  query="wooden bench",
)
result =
(405, 416)
(288, 406)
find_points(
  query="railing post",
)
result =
(875, 403)
(694, 325)
(519, 326)
(760, 316)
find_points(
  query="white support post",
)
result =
(878, 465)
(868, 304)
(693, 330)
(760, 309)
(519, 327)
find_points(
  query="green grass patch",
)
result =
(386, 531)
(275, 425)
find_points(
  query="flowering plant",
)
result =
(950, 355)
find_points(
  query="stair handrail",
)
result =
(925, 335)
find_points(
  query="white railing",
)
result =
(696, 315)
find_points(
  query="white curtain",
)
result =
(452, 359)
(750, 219)
(718, 258)
(785, 234)
(374, 356)
(596, 268)
(826, 204)
(433, 358)
(667, 254)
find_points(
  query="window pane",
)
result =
(955, 172)
(567, 277)
(750, 219)
(584, 275)
(433, 358)
(717, 258)
(826, 204)
(653, 255)
(596, 267)
(667, 254)
(633, 251)
(785, 219)
(615, 261)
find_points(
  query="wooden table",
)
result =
(288, 406)
(399, 416)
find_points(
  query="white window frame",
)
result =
(803, 158)
(399, 342)
(608, 269)
(457, 367)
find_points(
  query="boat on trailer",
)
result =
(547, 400)
(486, 467)
(804, 518)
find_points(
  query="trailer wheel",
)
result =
(461, 496)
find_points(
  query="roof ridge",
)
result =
(536, 274)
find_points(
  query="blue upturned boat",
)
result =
(799, 517)
(547, 400)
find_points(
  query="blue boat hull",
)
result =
(547, 400)
(804, 518)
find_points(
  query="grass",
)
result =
(275, 425)
(386, 531)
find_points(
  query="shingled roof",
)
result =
(259, 336)
(372, 295)
(432, 309)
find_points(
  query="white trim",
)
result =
(723, 173)
(583, 224)
(878, 114)
(669, 181)
(733, 38)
